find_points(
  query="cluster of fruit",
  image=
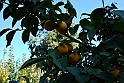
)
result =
(61, 27)
(66, 49)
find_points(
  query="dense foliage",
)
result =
(87, 62)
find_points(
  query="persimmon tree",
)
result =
(102, 63)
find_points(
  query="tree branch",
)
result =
(82, 43)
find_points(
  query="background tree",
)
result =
(9, 69)
(87, 63)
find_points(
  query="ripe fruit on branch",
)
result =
(49, 25)
(68, 24)
(63, 49)
(73, 58)
(70, 47)
(115, 72)
(62, 27)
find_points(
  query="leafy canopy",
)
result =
(96, 63)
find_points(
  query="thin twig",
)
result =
(103, 3)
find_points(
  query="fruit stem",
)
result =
(82, 43)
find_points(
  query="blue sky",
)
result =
(81, 6)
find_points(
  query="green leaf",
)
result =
(83, 36)
(58, 64)
(25, 35)
(42, 11)
(121, 59)
(38, 7)
(76, 28)
(121, 80)
(71, 31)
(34, 31)
(29, 22)
(4, 31)
(1, 6)
(6, 13)
(95, 81)
(32, 61)
(116, 41)
(34, 1)
(72, 12)
(84, 22)
(94, 71)
(74, 71)
(119, 26)
(99, 48)
(108, 60)
(105, 53)
(59, 3)
(58, 80)
(92, 33)
(78, 76)
(23, 22)
(85, 14)
(68, 5)
(68, 78)
(42, 78)
(70, 8)
(114, 6)
(65, 15)
(14, 22)
(97, 17)
(47, 3)
(34, 20)
(61, 63)
(54, 53)
(121, 77)
(106, 76)
(119, 12)
(9, 37)
(13, 1)
(94, 59)
(17, 13)
(40, 64)
(56, 8)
